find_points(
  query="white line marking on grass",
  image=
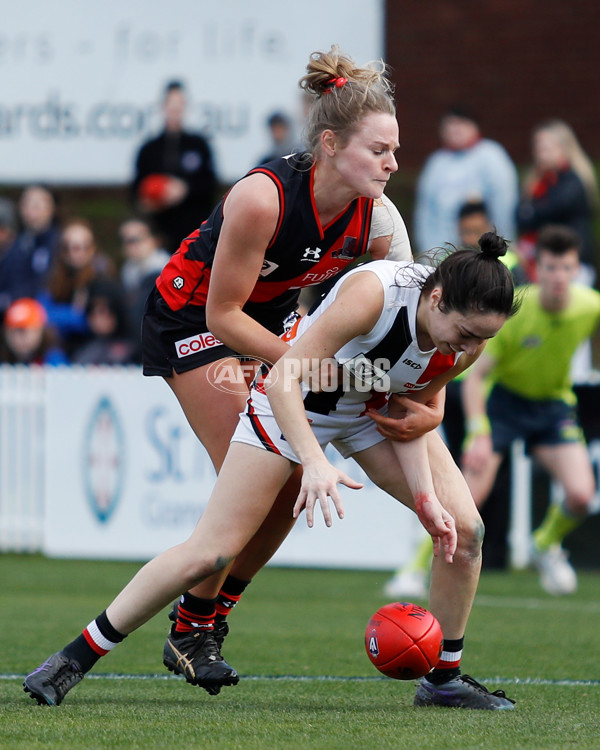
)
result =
(554, 605)
(329, 678)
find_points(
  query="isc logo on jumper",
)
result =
(196, 343)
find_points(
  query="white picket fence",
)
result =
(22, 436)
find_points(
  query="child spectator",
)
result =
(107, 321)
(26, 337)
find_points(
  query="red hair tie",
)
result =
(338, 82)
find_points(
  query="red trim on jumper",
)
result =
(313, 203)
(280, 191)
(438, 364)
(376, 401)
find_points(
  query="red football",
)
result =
(403, 640)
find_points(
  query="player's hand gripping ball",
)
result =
(403, 640)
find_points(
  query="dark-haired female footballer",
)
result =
(341, 359)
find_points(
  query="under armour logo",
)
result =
(312, 254)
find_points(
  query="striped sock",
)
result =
(195, 613)
(97, 639)
(229, 595)
(448, 666)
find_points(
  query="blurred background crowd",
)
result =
(74, 274)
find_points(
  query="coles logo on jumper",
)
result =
(195, 344)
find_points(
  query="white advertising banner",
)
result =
(126, 478)
(80, 81)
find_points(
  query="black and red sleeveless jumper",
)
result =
(301, 252)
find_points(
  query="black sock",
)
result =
(448, 667)
(96, 640)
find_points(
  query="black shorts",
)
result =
(549, 422)
(180, 340)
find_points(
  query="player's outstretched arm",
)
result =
(414, 461)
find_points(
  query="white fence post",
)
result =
(22, 433)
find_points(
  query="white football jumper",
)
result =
(386, 360)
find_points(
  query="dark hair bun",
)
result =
(493, 245)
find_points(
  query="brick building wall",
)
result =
(513, 62)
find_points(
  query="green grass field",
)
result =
(297, 641)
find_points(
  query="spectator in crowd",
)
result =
(467, 167)
(473, 221)
(26, 337)
(109, 342)
(26, 264)
(532, 398)
(77, 264)
(281, 136)
(174, 179)
(8, 233)
(144, 259)
(560, 188)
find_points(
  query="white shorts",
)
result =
(258, 427)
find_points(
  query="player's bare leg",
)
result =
(453, 585)
(213, 544)
(213, 415)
